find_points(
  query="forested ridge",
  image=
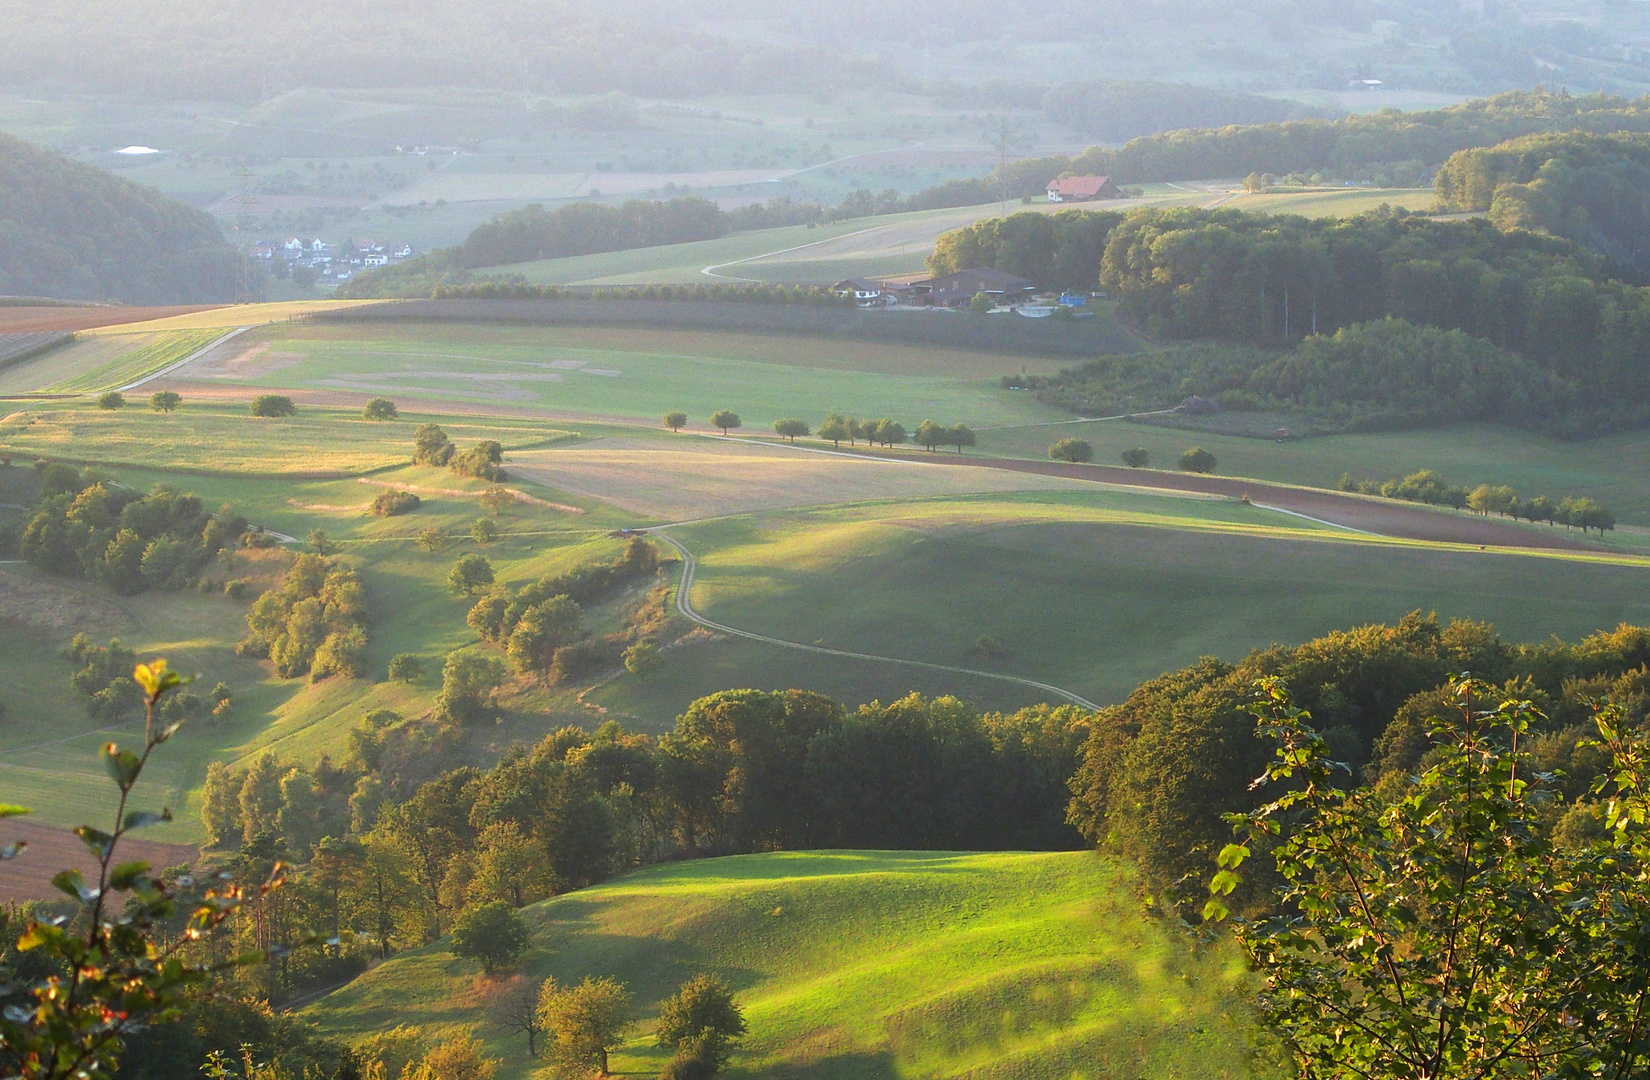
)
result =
(1593, 189)
(75, 232)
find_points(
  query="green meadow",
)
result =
(1110, 589)
(485, 367)
(864, 966)
(1609, 468)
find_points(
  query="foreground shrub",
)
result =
(1073, 450)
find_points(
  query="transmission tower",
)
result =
(246, 203)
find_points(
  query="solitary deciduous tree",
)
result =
(165, 400)
(1197, 460)
(583, 1023)
(675, 421)
(471, 573)
(930, 435)
(493, 935)
(1136, 457)
(111, 399)
(1074, 450)
(484, 530)
(960, 435)
(641, 659)
(272, 405)
(380, 409)
(726, 419)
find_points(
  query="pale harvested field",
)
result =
(29, 876)
(225, 318)
(59, 366)
(698, 478)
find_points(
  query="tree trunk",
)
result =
(602, 1054)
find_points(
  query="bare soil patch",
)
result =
(34, 320)
(240, 359)
(53, 848)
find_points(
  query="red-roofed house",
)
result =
(1082, 189)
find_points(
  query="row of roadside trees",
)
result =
(839, 429)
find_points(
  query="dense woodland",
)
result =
(75, 232)
(1116, 110)
(1593, 189)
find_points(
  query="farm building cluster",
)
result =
(327, 262)
(1003, 291)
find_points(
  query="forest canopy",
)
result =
(75, 232)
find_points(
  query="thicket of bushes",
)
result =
(128, 541)
(314, 623)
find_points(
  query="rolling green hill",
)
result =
(865, 965)
(76, 232)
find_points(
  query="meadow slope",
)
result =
(864, 965)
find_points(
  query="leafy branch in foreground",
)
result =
(112, 977)
(1442, 933)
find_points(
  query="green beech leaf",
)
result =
(72, 884)
(97, 841)
(1215, 911)
(11, 851)
(139, 819)
(122, 765)
(126, 874)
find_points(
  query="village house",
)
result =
(867, 292)
(1082, 189)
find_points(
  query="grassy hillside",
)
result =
(865, 965)
(76, 232)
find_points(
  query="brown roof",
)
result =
(1080, 187)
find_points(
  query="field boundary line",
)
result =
(684, 604)
(1079, 420)
(1320, 521)
(710, 271)
(190, 359)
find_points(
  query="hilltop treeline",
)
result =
(1116, 110)
(1388, 147)
(239, 52)
(75, 232)
(1160, 770)
(1586, 188)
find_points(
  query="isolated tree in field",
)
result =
(583, 1023)
(484, 531)
(497, 499)
(321, 542)
(270, 405)
(430, 538)
(676, 421)
(406, 667)
(930, 435)
(380, 409)
(791, 428)
(493, 935)
(1136, 457)
(470, 574)
(959, 435)
(890, 432)
(1197, 460)
(835, 427)
(1073, 450)
(702, 1019)
(457, 1057)
(641, 659)
(431, 446)
(165, 400)
(1448, 930)
(726, 419)
(467, 683)
(111, 399)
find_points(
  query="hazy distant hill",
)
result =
(78, 233)
(239, 50)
